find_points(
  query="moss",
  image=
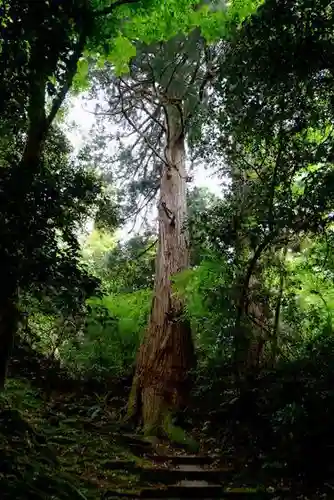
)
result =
(132, 408)
(178, 436)
(158, 418)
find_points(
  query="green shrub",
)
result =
(111, 336)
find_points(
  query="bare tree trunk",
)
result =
(161, 380)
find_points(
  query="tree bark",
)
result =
(161, 382)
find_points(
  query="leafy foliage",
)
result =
(110, 337)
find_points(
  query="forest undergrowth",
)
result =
(66, 439)
(60, 443)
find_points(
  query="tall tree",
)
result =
(160, 101)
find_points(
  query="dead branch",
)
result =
(143, 136)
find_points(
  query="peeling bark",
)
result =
(161, 381)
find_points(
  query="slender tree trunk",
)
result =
(8, 270)
(9, 267)
(161, 381)
(274, 344)
(39, 126)
(240, 344)
(8, 327)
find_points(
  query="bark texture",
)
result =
(161, 381)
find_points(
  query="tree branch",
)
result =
(71, 71)
(147, 200)
(273, 184)
(147, 249)
(109, 10)
(250, 165)
(260, 249)
(144, 137)
(182, 61)
(209, 76)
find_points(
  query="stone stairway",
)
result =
(177, 476)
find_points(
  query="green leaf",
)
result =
(121, 54)
(80, 81)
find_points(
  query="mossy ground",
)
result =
(60, 449)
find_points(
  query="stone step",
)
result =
(205, 491)
(187, 492)
(225, 495)
(184, 459)
(134, 439)
(190, 472)
(128, 465)
(136, 444)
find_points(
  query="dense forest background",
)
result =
(211, 324)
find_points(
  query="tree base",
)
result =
(157, 417)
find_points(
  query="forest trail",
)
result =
(73, 446)
(63, 440)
